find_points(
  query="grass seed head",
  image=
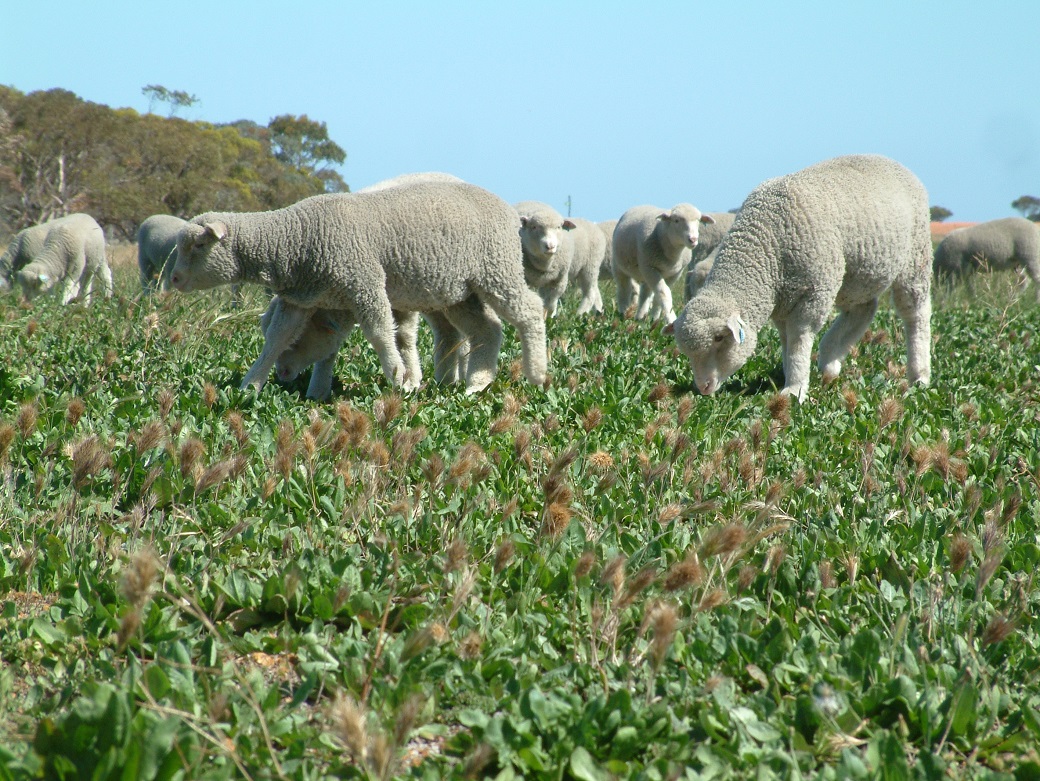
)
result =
(659, 392)
(997, 630)
(663, 624)
(889, 412)
(89, 458)
(827, 579)
(26, 420)
(683, 409)
(779, 406)
(684, 574)
(165, 398)
(614, 574)
(592, 419)
(455, 556)
(637, 584)
(502, 424)
(504, 554)
(960, 552)
(586, 562)
(209, 395)
(348, 724)
(7, 435)
(74, 411)
(712, 600)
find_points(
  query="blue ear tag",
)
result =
(740, 338)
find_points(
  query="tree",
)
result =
(305, 145)
(176, 98)
(1029, 206)
(938, 213)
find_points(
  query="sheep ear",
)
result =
(569, 225)
(663, 216)
(215, 231)
(707, 219)
(736, 326)
(524, 221)
(669, 329)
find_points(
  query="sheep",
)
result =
(606, 269)
(423, 248)
(547, 253)
(326, 331)
(157, 250)
(696, 273)
(836, 234)
(996, 245)
(707, 242)
(23, 247)
(587, 258)
(406, 179)
(70, 257)
(652, 247)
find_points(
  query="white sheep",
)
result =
(586, 260)
(326, 331)
(697, 273)
(651, 249)
(995, 245)
(547, 252)
(837, 234)
(423, 248)
(703, 255)
(66, 254)
(606, 268)
(157, 250)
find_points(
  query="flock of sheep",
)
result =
(835, 235)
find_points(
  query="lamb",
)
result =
(157, 250)
(606, 269)
(697, 273)
(326, 331)
(708, 241)
(547, 253)
(427, 247)
(652, 247)
(67, 253)
(996, 245)
(836, 234)
(589, 243)
(25, 246)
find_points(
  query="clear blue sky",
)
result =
(612, 104)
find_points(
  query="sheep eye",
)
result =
(719, 338)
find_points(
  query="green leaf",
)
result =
(584, 768)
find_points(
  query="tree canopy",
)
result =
(60, 154)
(1029, 206)
(939, 213)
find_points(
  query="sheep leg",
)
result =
(913, 304)
(285, 324)
(484, 334)
(646, 298)
(406, 338)
(521, 308)
(105, 274)
(797, 359)
(626, 288)
(662, 293)
(847, 329)
(449, 349)
(377, 324)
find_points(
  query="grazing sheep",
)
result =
(651, 248)
(23, 247)
(696, 273)
(406, 179)
(547, 253)
(426, 247)
(589, 243)
(69, 258)
(837, 234)
(606, 269)
(327, 330)
(995, 245)
(708, 241)
(157, 250)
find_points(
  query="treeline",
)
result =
(60, 154)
